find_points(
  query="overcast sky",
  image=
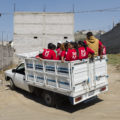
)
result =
(83, 21)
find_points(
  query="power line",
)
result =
(96, 11)
(1, 13)
(114, 9)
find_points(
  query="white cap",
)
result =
(12, 44)
(60, 42)
(68, 40)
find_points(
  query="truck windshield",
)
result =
(21, 66)
(21, 69)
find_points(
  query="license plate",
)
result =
(91, 93)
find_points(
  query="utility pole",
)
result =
(2, 49)
(14, 7)
(7, 36)
(113, 23)
(2, 38)
(44, 8)
(2, 57)
(73, 8)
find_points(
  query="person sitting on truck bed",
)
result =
(84, 51)
(94, 44)
(59, 50)
(103, 51)
(54, 49)
(59, 45)
(63, 52)
(47, 53)
(64, 48)
(72, 52)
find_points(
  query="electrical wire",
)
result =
(114, 9)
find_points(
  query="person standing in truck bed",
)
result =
(94, 44)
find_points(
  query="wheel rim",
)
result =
(48, 99)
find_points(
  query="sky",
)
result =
(83, 21)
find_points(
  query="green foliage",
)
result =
(114, 59)
(80, 37)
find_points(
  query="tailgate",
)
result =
(89, 76)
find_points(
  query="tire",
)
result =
(49, 99)
(12, 86)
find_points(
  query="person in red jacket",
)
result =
(84, 51)
(72, 52)
(103, 51)
(63, 52)
(58, 50)
(54, 49)
(47, 53)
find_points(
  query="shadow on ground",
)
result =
(64, 105)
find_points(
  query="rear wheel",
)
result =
(12, 86)
(49, 98)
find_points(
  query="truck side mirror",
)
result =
(13, 70)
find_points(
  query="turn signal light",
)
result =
(102, 89)
(78, 98)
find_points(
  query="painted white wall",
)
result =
(47, 27)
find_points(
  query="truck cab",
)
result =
(16, 77)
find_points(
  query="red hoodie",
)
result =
(63, 53)
(71, 55)
(83, 53)
(104, 51)
(48, 54)
(59, 51)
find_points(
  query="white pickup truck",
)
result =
(77, 80)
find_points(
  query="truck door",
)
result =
(19, 77)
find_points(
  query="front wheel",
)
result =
(12, 86)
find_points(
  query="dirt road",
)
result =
(19, 105)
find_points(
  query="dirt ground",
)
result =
(20, 105)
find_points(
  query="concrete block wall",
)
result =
(33, 31)
(6, 56)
